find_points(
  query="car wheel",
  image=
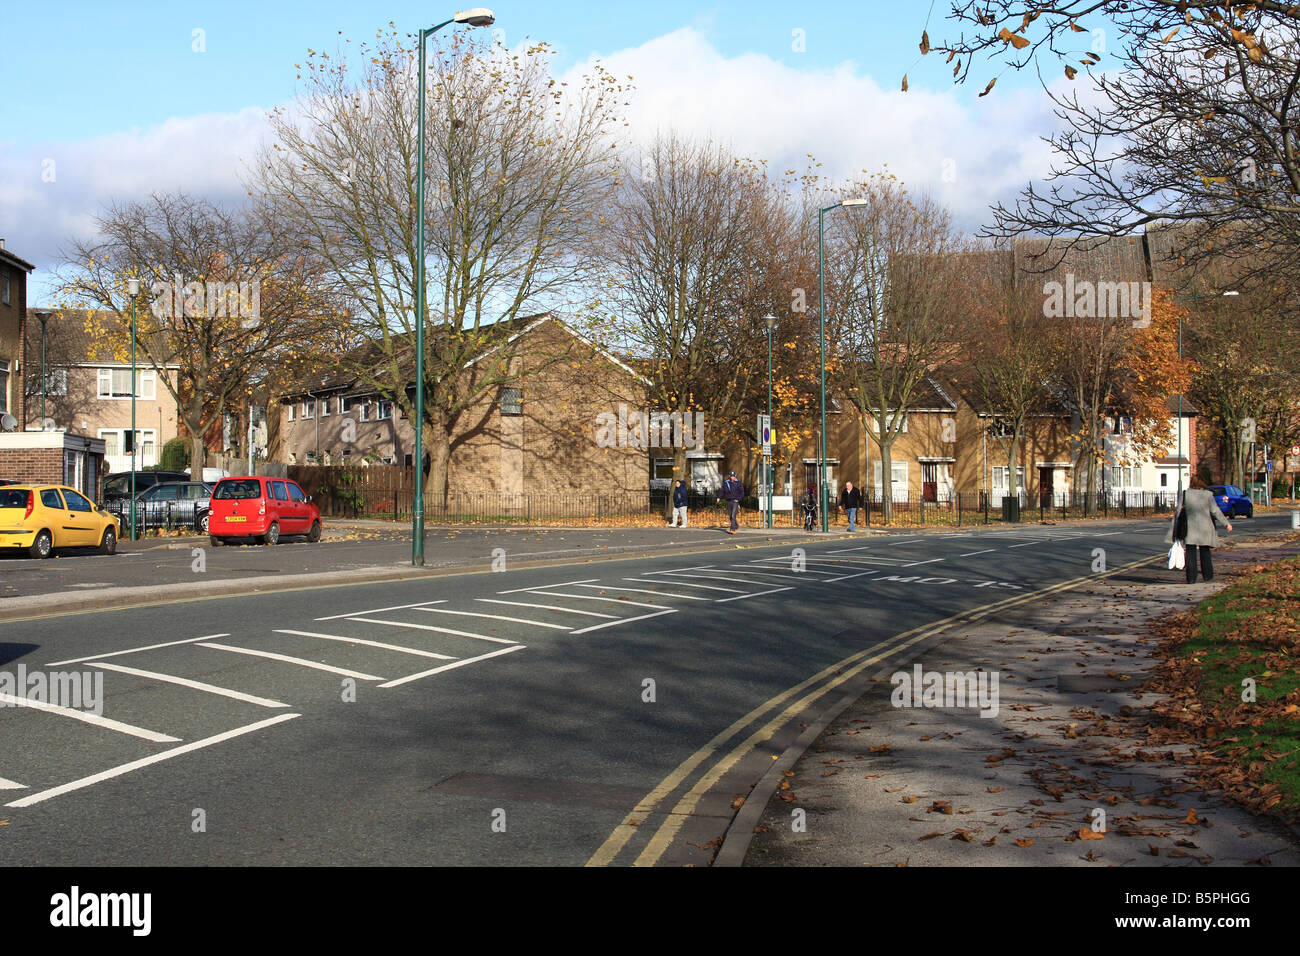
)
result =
(272, 535)
(215, 541)
(314, 533)
(109, 544)
(42, 546)
(203, 523)
(1250, 512)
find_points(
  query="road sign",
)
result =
(1295, 451)
(765, 433)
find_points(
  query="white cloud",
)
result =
(761, 107)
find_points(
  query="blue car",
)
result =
(1232, 501)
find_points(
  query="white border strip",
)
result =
(136, 650)
(447, 667)
(547, 607)
(378, 610)
(430, 627)
(192, 684)
(379, 644)
(315, 665)
(89, 718)
(642, 617)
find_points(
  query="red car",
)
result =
(261, 508)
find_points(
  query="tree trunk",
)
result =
(437, 450)
(886, 481)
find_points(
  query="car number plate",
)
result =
(236, 518)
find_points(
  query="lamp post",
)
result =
(1188, 298)
(477, 17)
(133, 289)
(770, 319)
(821, 321)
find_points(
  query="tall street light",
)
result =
(133, 290)
(42, 317)
(477, 17)
(1188, 298)
(770, 319)
(821, 320)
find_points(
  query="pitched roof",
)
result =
(66, 334)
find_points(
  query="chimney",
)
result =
(2, 244)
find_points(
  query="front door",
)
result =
(929, 481)
(1045, 489)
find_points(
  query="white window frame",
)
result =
(146, 384)
(383, 409)
(324, 407)
(897, 482)
(304, 412)
(293, 408)
(875, 423)
(363, 413)
(344, 404)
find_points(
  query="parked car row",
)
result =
(41, 518)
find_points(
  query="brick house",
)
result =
(13, 322)
(88, 390)
(539, 436)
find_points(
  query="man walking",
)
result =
(732, 492)
(851, 501)
(679, 503)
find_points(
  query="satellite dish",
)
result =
(48, 424)
(8, 422)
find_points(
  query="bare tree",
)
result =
(890, 282)
(694, 260)
(222, 292)
(519, 169)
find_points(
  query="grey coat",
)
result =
(1202, 515)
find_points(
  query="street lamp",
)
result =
(1188, 298)
(476, 17)
(770, 319)
(42, 317)
(133, 290)
(821, 320)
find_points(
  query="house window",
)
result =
(308, 409)
(1000, 475)
(1001, 428)
(345, 404)
(4, 290)
(1125, 476)
(875, 424)
(115, 383)
(512, 401)
(310, 457)
(56, 383)
(325, 408)
(385, 410)
(292, 411)
(1164, 479)
(4, 385)
(364, 411)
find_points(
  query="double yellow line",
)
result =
(845, 670)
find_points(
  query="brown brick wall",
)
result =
(37, 465)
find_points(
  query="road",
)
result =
(511, 718)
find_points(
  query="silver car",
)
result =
(174, 504)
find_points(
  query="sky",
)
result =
(109, 101)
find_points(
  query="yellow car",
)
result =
(41, 518)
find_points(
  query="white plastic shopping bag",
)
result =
(1177, 557)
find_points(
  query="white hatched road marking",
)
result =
(626, 620)
(192, 684)
(806, 570)
(136, 650)
(562, 584)
(1028, 543)
(10, 785)
(292, 660)
(378, 610)
(971, 554)
(146, 761)
(915, 563)
(495, 617)
(430, 627)
(610, 587)
(547, 607)
(846, 577)
(379, 644)
(741, 597)
(89, 718)
(591, 597)
(447, 667)
(684, 584)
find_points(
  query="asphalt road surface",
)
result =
(608, 713)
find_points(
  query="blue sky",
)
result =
(114, 96)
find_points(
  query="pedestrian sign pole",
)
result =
(765, 436)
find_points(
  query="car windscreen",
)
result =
(16, 498)
(238, 489)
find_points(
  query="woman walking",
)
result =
(1202, 514)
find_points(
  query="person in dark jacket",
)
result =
(851, 501)
(732, 492)
(679, 503)
(1202, 515)
(808, 501)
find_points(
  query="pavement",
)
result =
(1059, 776)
